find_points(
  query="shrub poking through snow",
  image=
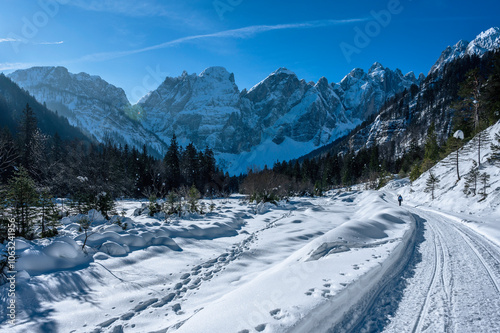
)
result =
(171, 206)
(153, 206)
(85, 221)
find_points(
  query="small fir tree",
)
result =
(484, 180)
(471, 180)
(193, 197)
(171, 204)
(22, 197)
(431, 184)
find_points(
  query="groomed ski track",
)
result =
(450, 283)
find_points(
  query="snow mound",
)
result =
(60, 249)
(113, 249)
(60, 254)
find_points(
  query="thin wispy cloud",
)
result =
(8, 40)
(50, 43)
(240, 33)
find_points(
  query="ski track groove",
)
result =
(417, 327)
(468, 240)
(444, 234)
(447, 287)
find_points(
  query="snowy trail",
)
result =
(452, 286)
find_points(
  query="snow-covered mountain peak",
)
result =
(356, 73)
(283, 70)
(486, 41)
(82, 84)
(279, 77)
(410, 76)
(322, 82)
(376, 67)
(217, 73)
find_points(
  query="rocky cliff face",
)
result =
(194, 107)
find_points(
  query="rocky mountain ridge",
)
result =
(282, 117)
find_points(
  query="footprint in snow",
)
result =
(277, 314)
(260, 327)
(127, 316)
(117, 329)
(108, 322)
(144, 305)
(309, 292)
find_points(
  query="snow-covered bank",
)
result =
(478, 212)
(277, 268)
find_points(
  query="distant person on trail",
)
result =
(400, 199)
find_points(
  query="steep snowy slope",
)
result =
(88, 102)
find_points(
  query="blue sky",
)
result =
(135, 44)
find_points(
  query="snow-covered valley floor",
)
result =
(243, 268)
(350, 261)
